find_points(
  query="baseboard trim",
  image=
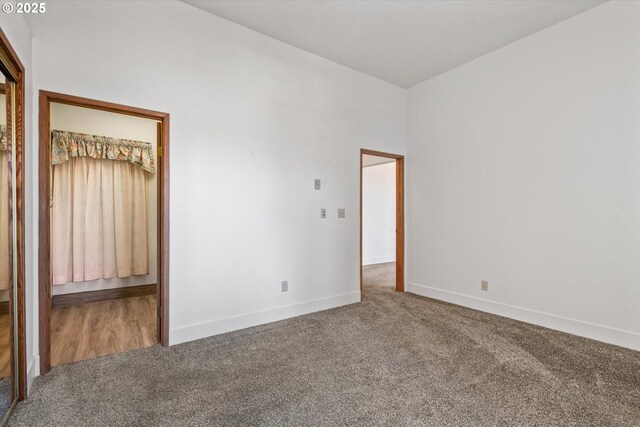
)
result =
(102, 295)
(581, 328)
(32, 371)
(220, 326)
(379, 260)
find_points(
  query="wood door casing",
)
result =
(44, 233)
(12, 68)
(399, 159)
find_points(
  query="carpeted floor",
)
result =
(379, 274)
(395, 359)
(5, 396)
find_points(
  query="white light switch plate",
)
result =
(342, 213)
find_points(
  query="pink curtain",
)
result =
(99, 220)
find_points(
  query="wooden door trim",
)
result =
(65, 300)
(399, 214)
(44, 233)
(11, 65)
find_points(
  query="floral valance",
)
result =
(65, 145)
(4, 145)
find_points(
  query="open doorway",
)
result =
(381, 220)
(103, 228)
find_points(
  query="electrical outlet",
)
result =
(317, 184)
(323, 213)
(484, 285)
(341, 213)
(285, 286)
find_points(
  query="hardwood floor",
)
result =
(5, 351)
(85, 331)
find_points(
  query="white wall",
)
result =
(95, 122)
(253, 122)
(379, 213)
(17, 32)
(524, 170)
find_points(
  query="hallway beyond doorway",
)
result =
(379, 274)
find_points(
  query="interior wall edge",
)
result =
(33, 370)
(607, 334)
(229, 324)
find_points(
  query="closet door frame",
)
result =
(44, 166)
(12, 68)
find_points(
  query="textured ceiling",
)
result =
(402, 42)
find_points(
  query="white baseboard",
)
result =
(33, 370)
(379, 260)
(582, 328)
(234, 323)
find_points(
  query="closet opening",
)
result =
(381, 221)
(104, 228)
(13, 372)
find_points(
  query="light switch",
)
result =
(341, 213)
(318, 184)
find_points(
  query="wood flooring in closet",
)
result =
(5, 352)
(85, 331)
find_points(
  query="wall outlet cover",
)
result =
(317, 184)
(284, 286)
(323, 213)
(341, 213)
(484, 285)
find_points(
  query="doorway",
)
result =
(381, 219)
(104, 228)
(13, 372)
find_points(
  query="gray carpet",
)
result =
(5, 396)
(395, 359)
(379, 274)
